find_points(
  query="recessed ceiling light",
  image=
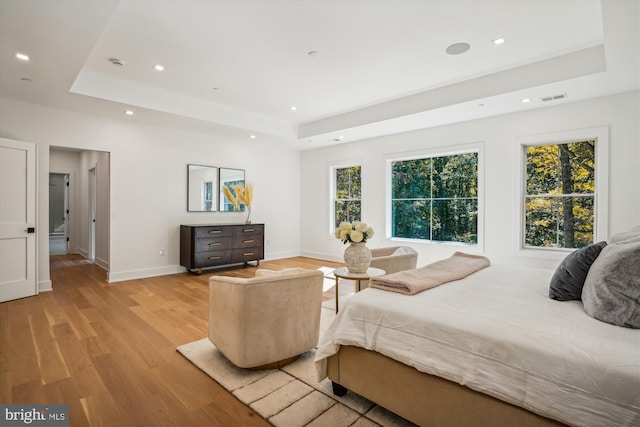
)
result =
(480, 105)
(252, 136)
(22, 56)
(499, 40)
(158, 67)
(313, 54)
(26, 79)
(216, 88)
(458, 48)
(129, 113)
(526, 100)
(294, 108)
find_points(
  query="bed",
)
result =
(489, 350)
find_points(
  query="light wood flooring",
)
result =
(109, 350)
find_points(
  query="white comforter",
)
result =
(497, 332)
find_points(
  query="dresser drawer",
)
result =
(242, 231)
(212, 231)
(211, 258)
(248, 242)
(212, 244)
(248, 254)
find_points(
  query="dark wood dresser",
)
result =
(206, 246)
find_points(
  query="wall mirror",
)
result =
(229, 178)
(202, 188)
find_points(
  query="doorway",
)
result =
(88, 203)
(58, 213)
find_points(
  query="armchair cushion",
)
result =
(280, 273)
(395, 258)
(264, 319)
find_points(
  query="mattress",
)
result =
(497, 332)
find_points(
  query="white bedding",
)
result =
(497, 332)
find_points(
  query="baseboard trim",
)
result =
(323, 256)
(45, 286)
(280, 255)
(101, 263)
(120, 276)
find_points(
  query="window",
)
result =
(347, 202)
(436, 198)
(207, 195)
(559, 195)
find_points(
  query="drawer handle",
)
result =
(215, 244)
(213, 258)
(215, 231)
(248, 230)
(248, 241)
(247, 254)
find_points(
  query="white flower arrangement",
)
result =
(356, 232)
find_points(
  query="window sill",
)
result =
(432, 242)
(542, 253)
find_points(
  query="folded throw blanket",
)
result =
(411, 282)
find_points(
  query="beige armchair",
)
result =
(268, 320)
(395, 258)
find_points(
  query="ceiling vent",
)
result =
(117, 62)
(554, 97)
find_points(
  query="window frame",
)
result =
(332, 191)
(476, 147)
(601, 197)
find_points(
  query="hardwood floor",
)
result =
(109, 350)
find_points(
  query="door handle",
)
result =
(30, 230)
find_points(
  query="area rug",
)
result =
(290, 396)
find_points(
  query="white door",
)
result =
(66, 212)
(17, 219)
(92, 212)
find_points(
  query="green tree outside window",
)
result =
(436, 198)
(347, 203)
(560, 195)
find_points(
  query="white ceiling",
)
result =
(381, 66)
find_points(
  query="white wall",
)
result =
(499, 136)
(148, 183)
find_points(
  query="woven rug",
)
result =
(290, 396)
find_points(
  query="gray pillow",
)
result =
(568, 279)
(633, 234)
(611, 292)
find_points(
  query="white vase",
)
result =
(248, 221)
(357, 256)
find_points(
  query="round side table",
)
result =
(343, 273)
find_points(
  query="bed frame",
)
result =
(424, 399)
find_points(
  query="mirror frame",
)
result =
(228, 177)
(198, 190)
